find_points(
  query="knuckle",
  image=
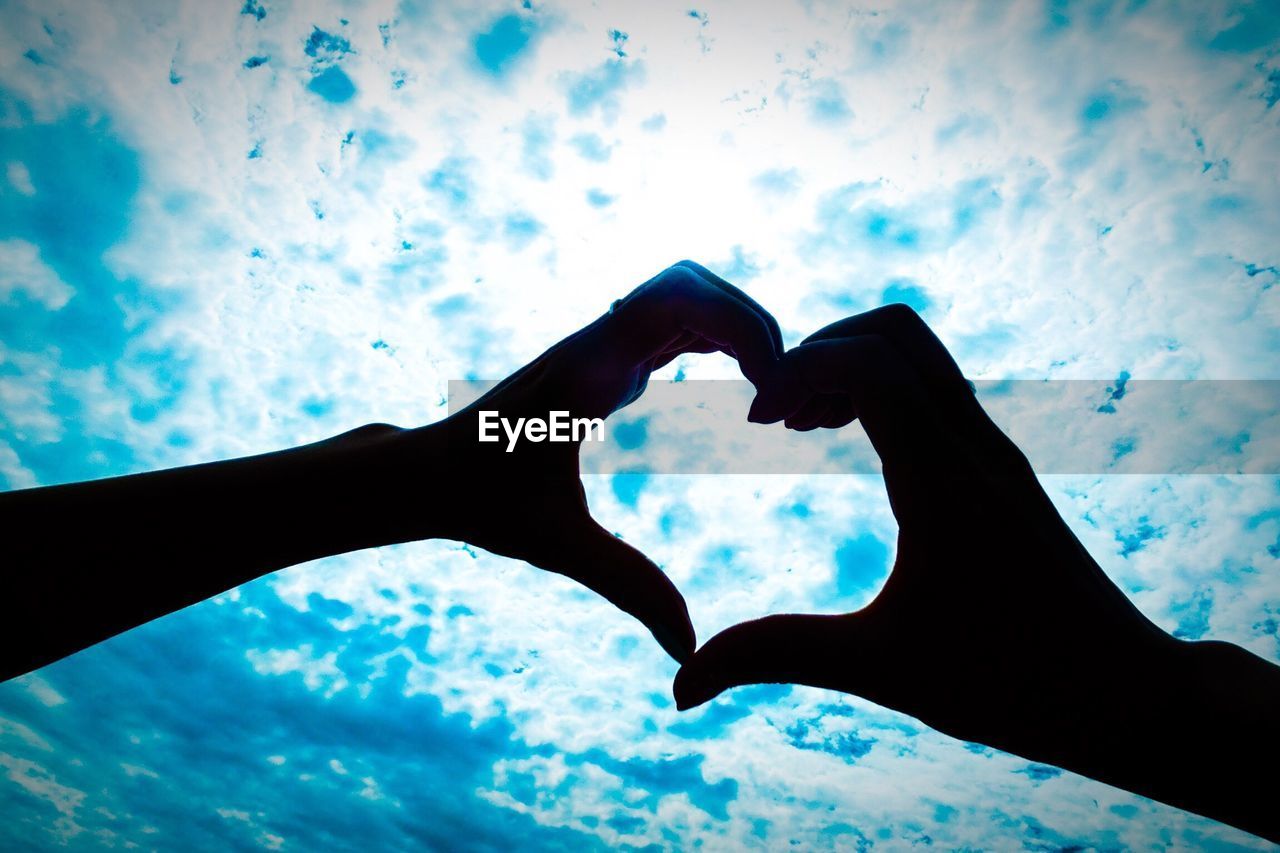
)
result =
(900, 315)
(668, 289)
(672, 281)
(678, 277)
(371, 432)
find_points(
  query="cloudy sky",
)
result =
(230, 227)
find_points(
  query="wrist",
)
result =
(1103, 706)
(382, 478)
(1130, 698)
(1131, 728)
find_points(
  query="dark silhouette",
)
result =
(85, 561)
(995, 625)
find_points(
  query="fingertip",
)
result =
(688, 645)
(688, 692)
(679, 640)
(683, 638)
(671, 644)
(776, 399)
(664, 612)
(635, 585)
(801, 427)
(762, 412)
(682, 705)
(758, 368)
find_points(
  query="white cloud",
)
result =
(22, 271)
(41, 690)
(19, 177)
(28, 736)
(317, 671)
(37, 781)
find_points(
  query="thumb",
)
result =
(632, 582)
(783, 649)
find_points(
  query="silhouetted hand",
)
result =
(990, 589)
(529, 504)
(995, 625)
(85, 561)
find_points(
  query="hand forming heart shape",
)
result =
(529, 503)
(995, 625)
(953, 600)
(979, 623)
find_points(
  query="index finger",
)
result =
(775, 332)
(679, 301)
(947, 387)
(589, 554)
(922, 463)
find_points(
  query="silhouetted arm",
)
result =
(86, 561)
(1195, 729)
(83, 562)
(996, 625)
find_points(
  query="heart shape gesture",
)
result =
(526, 500)
(995, 625)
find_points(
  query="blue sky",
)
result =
(228, 228)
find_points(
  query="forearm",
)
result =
(86, 561)
(1196, 730)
